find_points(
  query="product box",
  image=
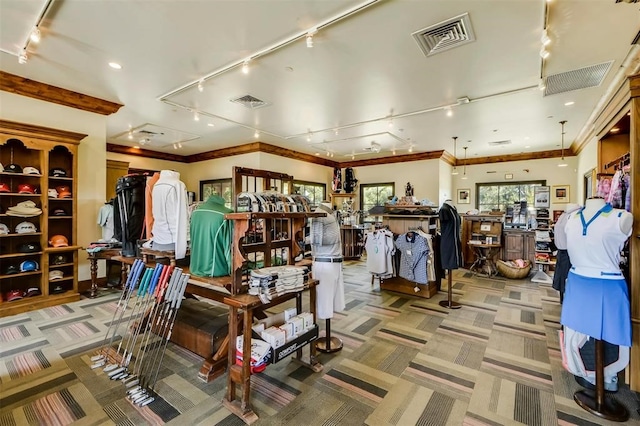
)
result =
(290, 313)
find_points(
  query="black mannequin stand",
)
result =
(594, 401)
(328, 344)
(450, 304)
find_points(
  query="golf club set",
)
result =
(154, 296)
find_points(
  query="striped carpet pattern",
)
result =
(404, 361)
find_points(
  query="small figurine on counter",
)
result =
(409, 190)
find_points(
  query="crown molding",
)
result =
(47, 133)
(430, 155)
(140, 152)
(289, 153)
(557, 153)
(45, 92)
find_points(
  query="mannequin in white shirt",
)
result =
(591, 207)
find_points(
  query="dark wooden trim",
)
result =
(448, 158)
(289, 153)
(634, 85)
(47, 133)
(516, 157)
(139, 152)
(224, 152)
(34, 89)
(431, 155)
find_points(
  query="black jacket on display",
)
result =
(450, 244)
(128, 212)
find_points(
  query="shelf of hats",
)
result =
(37, 223)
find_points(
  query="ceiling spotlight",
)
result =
(393, 152)
(35, 35)
(245, 67)
(328, 153)
(544, 53)
(615, 130)
(545, 38)
(115, 65)
(391, 122)
(179, 145)
(22, 57)
(256, 134)
(411, 148)
(449, 112)
(336, 132)
(175, 146)
(569, 103)
(309, 40)
(541, 84)
(332, 155)
(309, 137)
(210, 124)
(130, 137)
(201, 86)
(317, 153)
(196, 116)
(136, 147)
(353, 157)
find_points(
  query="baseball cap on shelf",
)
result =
(63, 191)
(52, 193)
(59, 212)
(29, 266)
(26, 228)
(58, 289)
(14, 295)
(59, 260)
(4, 187)
(29, 247)
(57, 172)
(26, 188)
(33, 291)
(59, 241)
(4, 229)
(56, 274)
(11, 269)
(31, 171)
(13, 168)
(1, 168)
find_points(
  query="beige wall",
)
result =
(148, 163)
(91, 156)
(587, 160)
(544, 169)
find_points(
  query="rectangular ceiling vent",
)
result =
(581, 78)
(250, 102)
(445, 35)
(500, 143)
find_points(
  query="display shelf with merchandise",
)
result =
(543, 248)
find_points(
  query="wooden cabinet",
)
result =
(39, 268)
(518, 244)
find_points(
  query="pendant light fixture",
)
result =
(464, 166)
(455, 167)
(562, 162)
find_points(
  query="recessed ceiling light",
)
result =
(615, 130)
(569, 103)
(136, 147)
(210, 124)
(115, 65)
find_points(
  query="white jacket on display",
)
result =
(170, 212)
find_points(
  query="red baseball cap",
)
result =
(14, 295)
(4, 187)
(26, 188)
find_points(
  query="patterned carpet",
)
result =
(405, 361)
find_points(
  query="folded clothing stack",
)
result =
(24, 209)
(277, 280)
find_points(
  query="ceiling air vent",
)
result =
(250, 102)
(581, 78)
(445, 35)
(500, 143)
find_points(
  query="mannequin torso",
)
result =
(593, 205)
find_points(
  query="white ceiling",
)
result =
(361, 70)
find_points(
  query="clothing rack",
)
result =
(619, 162)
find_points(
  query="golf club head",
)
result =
(97, 364)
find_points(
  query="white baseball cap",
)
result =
(30, 171)
(26, 228)
(4, 229)
(56, 274)
(52, 193)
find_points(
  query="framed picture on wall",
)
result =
(541, 197)
(464, 196)
(560, 194)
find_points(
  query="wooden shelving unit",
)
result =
(44, 149)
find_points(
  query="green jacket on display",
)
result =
(211, 239)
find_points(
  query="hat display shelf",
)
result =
(27, 154)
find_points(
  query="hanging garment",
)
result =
(170, 217)
(604, 187)
(596, 300)
(627, 194)
(128, 212)
(431, 261)
(615, 192)
(105, 220)
(450, 244)
(563, 262)
(148, 202)
(211, 239)
(414, 251)
(379, 247)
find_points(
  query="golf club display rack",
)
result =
(260, 239)
(43, 149)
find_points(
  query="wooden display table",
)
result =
(106, 255)
(485, 258)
